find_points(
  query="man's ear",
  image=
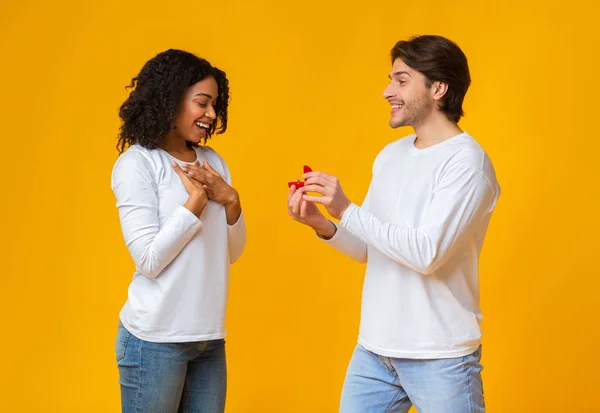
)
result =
(439, 90)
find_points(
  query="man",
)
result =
(420, 230)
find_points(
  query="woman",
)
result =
(183, 225)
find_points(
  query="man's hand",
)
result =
(332, 197)
(307, 213)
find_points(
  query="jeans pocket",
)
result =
(215, 344)
(122, 339)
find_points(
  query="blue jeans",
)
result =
(171, 377)
(377, 384)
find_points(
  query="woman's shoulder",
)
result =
(216, 160)
(135, 160)
(211, 154)
(207, 150)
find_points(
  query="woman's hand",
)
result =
(215, 186)
(198, 198)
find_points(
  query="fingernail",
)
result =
(173, 164)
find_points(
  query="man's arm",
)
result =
(462, 200)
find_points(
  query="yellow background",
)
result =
(306, 81)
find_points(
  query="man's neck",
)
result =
(435, 129)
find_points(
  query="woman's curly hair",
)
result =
(149, 111)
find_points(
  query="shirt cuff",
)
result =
(335, 236)
(348, 214)
(236, 223)
(188, 220)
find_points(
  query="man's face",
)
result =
(410, 97)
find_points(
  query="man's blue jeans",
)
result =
(376, 384)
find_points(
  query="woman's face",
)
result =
(197, 110)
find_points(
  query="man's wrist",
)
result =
(327, 230)
(343, 211)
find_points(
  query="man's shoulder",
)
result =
(468, 152)
(400, 144)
